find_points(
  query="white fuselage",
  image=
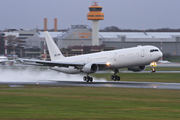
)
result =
(121, 58)
(3, 59)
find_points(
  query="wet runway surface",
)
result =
(123, 84)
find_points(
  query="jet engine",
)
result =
(137, 68)
(90, 68)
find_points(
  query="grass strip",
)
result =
(79, 103)
(143, 77)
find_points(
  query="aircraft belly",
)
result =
(69, 70)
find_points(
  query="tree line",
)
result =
(111, 29)
(116, 29)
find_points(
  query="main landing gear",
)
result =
(88, 78)
(115, 77)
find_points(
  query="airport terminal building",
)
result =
(168, 42)
(81, 35)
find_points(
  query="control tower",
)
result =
(95, 15)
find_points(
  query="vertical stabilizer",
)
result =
(54, 51)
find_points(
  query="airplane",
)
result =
(163, 62)
(134, 58)
(4, 60)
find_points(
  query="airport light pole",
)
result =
(44, 49)
(5, 38)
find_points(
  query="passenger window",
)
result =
(154, 50)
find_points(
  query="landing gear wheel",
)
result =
(91, 79)
(153, 70)
(87, 78)
(118, 78)
(84, 78)
(112, 77)
(115, 77)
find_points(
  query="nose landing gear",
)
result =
(153, 70)
(115, 77)
(153, 65)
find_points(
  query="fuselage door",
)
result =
(142, 53)
(115, 57)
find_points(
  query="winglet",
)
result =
(54, 51)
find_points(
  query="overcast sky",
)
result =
(125, 14)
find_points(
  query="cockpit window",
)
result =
(154, 50)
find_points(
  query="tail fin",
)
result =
(54, 51)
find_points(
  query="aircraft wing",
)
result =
(50, 63)
(6, 61)
(56, 63)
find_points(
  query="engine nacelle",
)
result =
(137, 68)
(90, 68)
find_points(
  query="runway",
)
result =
(19, 77)
(123, 84)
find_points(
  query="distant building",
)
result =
(28, 45)
(78, 50)
(32, 41)
(76, 35)
(168, 42)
